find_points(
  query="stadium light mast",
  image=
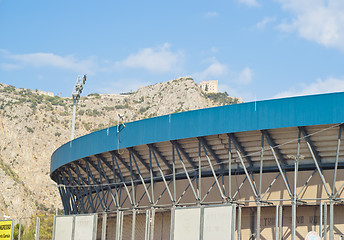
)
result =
(79, 85)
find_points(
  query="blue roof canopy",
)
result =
(268, 114)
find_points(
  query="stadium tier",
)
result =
(277, 163)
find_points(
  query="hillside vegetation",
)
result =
(33, 125)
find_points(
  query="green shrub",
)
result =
(221, 98)
(143, 109)
(125, 106)
(96, 95)
(29, 130)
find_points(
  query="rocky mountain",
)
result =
(33, 125)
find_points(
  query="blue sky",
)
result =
(256, 49)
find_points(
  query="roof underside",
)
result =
(317, 143)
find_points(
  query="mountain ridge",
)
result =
(34, 124)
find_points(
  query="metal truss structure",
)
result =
(239, 168)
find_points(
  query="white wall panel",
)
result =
(85, 227)
(187, 224)
(217, 223)
(63, 228)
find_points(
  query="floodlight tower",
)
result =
(79, 85)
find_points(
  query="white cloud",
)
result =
(49, 60)
(245, 76)
(157, 60)
(211, 14)
(321, 21)
(9, 66)
(215, 69)
(263, 23)
(320, 86)
(250, 3)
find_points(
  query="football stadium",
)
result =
(269, 169)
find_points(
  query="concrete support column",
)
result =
(258, 220)
(238, 224)
(293, 219)
(133, 225)
(276, 222)
(325, 221)
(280, 222)
(321, 219)
(104, 226)
(331, 220)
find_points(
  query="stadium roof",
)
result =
(280, 121)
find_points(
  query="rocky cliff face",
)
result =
(33, 125)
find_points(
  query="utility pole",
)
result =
(79, 85)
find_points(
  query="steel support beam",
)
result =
(160, 196)
(180, 149)
(240, 148)
(142, 180)
(151, 174)
(245, 170)
(89, 198)
(239, 223)
(95, 182)
(321, 220)
(230, 169)
(331, 219)
(199, 185)
(63, 194)
(187, 175)
(187, 187)
(337, 159)
(156, 150)
(87, 182)
(214, 174)
(315, 157)
(116, 174)
(209, 190)
(258, 200)
(134, 152)
(325, 221)
(294, 198)
(174, 175)
(71, 202)
(101, 184)
(125, 164)
(310, 144)
(211, 151)
(114, 160)
(163, 176)
(133, 185)
(282, 171)
(75, 189)
(272, 143)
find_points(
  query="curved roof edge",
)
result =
(267, 114)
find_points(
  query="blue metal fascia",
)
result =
(260, 115)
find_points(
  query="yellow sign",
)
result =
(5, 230)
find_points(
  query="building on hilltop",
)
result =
(209, 86)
